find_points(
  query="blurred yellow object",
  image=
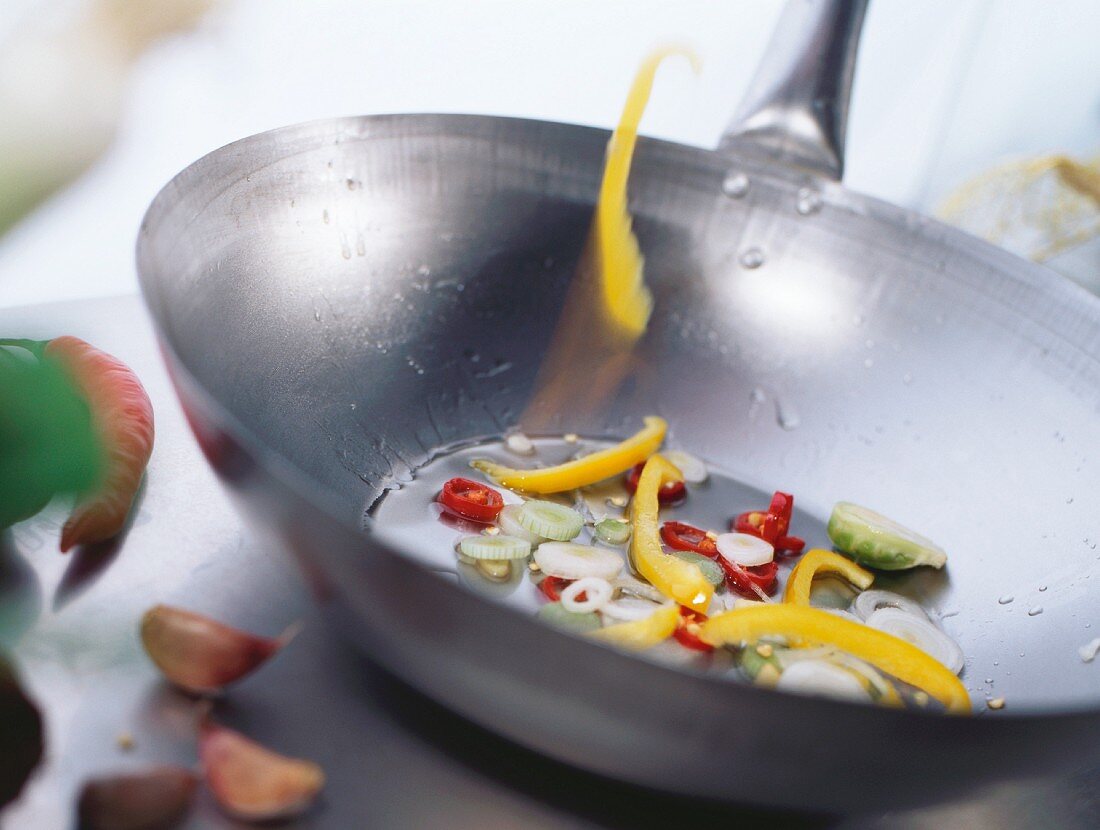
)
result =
(62, 89)
(627, 301)
(1037, 207)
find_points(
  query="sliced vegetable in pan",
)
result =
(668, 591)
(878, 542)
(582, 471)
(816, 627)
(676, 579)
(471, 500)
(817, 562)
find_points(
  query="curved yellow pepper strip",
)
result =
(885, 652)
(815, 562)
(626, 299)
(583, 471)
(675, 578)
(641, 634)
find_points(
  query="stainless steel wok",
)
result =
(321, 289)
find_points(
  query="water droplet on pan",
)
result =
(735, 185)
(1006, 599)
(752, 258)
(786, 415)
(809, 201)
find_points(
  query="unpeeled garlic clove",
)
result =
(200, 654)
(153, 799)
(251, 782)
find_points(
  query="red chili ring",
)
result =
(681, 536)
(471, 500)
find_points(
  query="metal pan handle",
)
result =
(796, 109)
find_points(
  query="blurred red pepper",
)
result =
(687, 638)
(551, 587)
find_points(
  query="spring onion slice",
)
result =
(745, 549)
(596, 592)
(550, 520)
(566, 560)
(556, 615)
(869, 602)
(822, 678)
(509, 523)
(626, 609)
(495, 547)
(712, 571)
(582, 471)
(626, 585)
(880, 689)
(498, 570)
(878, 542)
(613, 531)
(921, 633)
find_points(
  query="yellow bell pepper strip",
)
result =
(626, 300)
(583, 471)
(815, 627)
(675, 578)
(638, 635)
(819, 561)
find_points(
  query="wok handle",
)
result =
(796, 108)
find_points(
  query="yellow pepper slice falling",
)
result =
(815, 627)
(819, 561)
(626, 300)
(641, 634)
(675, 578)
(583, 471)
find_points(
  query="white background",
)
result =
(944, 89)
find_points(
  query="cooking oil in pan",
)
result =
(415, 520)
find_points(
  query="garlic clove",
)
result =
(201, 655)
(153, 799)
(251, 782)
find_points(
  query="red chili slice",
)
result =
(471, 499)
(684, 637)
(772, 525)
(669, 493)
(764, 525)
(789, 545)
(741, 579)
(682, 536)
(781, 507)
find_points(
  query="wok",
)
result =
(320, 292)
